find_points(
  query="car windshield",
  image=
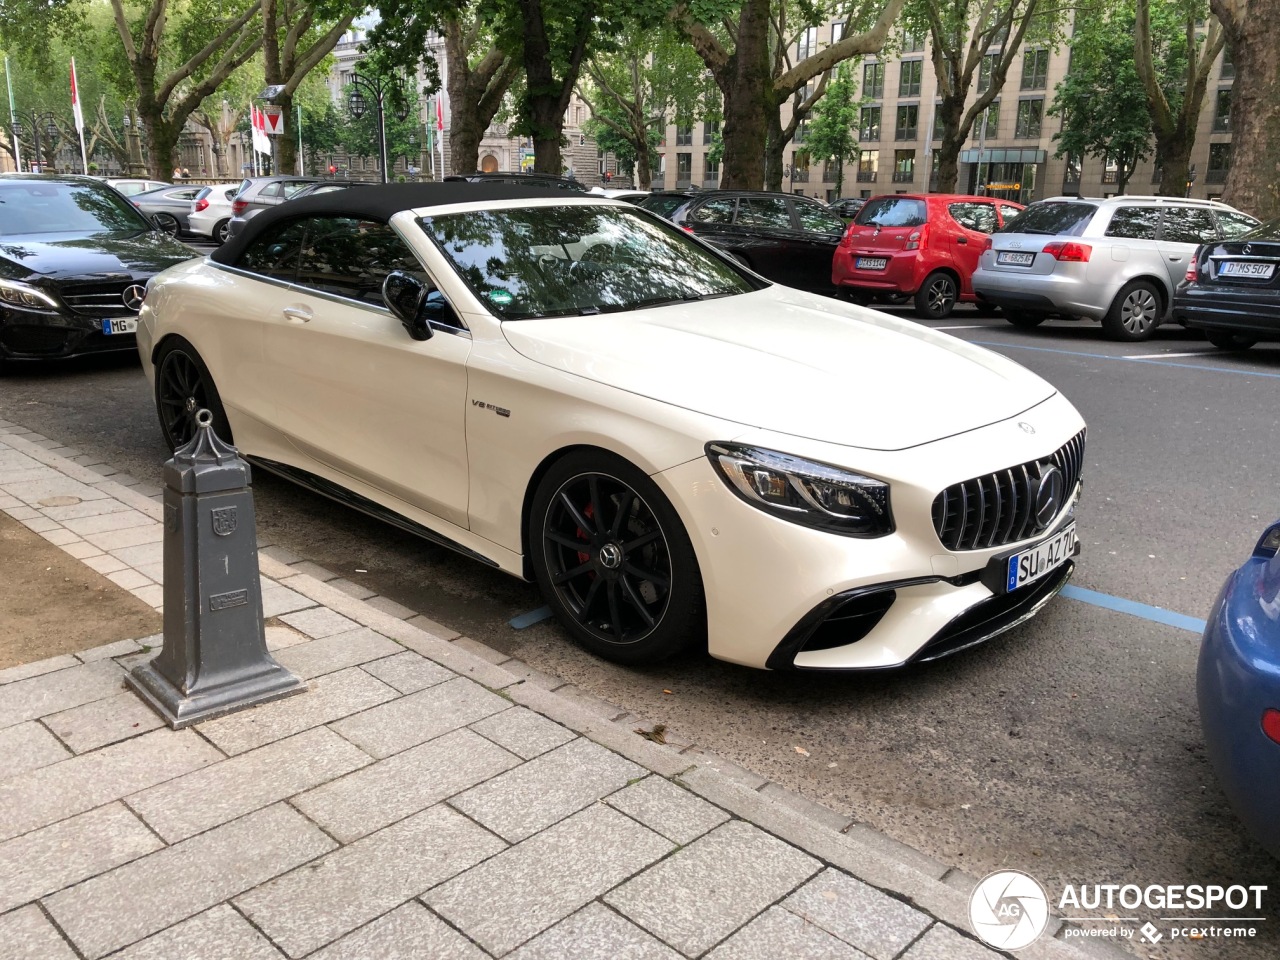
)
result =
(558, 261)
(1052, 218)
(49, 206)
(663, 204)
(1267, 231)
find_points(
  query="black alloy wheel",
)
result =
(1226, 340)
(937, 296)
(222, 232)
(614, 561)
(166, 223)
(183, 388)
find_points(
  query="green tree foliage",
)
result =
(1101, 101)
(830, 135)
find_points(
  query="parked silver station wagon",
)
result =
(1117, 260)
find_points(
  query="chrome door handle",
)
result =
(299, 314)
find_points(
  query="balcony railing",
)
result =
(800, 176)
(905, 133)
(903, 176)
(866, 176)
(1216, 175)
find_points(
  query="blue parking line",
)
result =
(530, 618)
(1106, 356)
(1134, 609)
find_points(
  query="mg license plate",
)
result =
(1016, 259)
(1254, 271)
(1032, 564)
(123, 325)
(871, 263)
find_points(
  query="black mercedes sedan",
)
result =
(789, 239)
(1232, 289)
(75, 258)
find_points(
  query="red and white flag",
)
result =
(75, 97)
(440, 131)
(261, 142)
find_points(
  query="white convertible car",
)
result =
(578, 393)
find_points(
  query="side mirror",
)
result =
(406, 297)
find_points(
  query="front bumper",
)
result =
(764, 577)
(38, 336)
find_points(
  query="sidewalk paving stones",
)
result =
(93, 725)
(523, 732)
(411, 932)
(130, 902)
(37, 668)
(217, 934)
(27, 935)
(705, 891)
(319, 622)
(420, 716)
(408, 672)
(392, 789)
(779, 933)
(943, 943)
(662, 806)
(858, 914)
(320, 902)
(213, 795)
(28, 746)
(547, 877)
(596, 931)
(331, 654)
(60, 690)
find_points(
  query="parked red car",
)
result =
(924, 246)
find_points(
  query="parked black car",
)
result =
(168, 207)
(1232, 289)
(847, 207)
(789, 239)
(75, 258)
(522, 179)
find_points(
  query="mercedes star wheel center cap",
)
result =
(611, 556)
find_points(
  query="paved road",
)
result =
(1068, 748)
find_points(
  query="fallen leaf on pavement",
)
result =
(658, 734)
(802, 751)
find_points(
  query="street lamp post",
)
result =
(49, 123)
(379, 88)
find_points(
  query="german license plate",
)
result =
(1016, 259)
(1032, 564)
(1254, 271)
(123, 325)
(871, 263)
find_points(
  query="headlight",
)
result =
(26, 297)
(803, 491)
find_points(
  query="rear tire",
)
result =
(1025, 319)
(166, 223)
(1135, 313)
(1225, 340)
(937, 296)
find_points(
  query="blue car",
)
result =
(1239, 690)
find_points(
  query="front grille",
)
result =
(999, 508)
(97, 299)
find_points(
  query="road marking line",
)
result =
(530, 618)
(1104, 356)
(1135, 609)
(1166, 356)
(974, 326)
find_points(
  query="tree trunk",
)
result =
(287, 142)
(644, 170)
(1173, 160)
(546, 96)
(947, 156)
(1253, 31)
(774, 163)
(747, 84)
(162, 142)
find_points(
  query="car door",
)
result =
(352, 390)
(712, 220)
(1182, 230)
(818, 231)
(764, 236)
(974, 220)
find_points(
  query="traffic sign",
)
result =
(272, 118)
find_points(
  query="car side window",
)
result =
(1007, 211)
(714, 211)
(764, 212)
(974, 215)
(1233, 225)
(815, 219)
(269, 191)
(292, 187)
(1134, 223)
(350, 258)
(1188, 225)
(275, 253)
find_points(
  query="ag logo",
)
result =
(1009, 910)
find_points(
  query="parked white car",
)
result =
(1117, 260)
(574, 392)
(211, 211)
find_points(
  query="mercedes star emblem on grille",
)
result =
(1048, 495)
(133, 296)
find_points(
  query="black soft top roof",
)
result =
(381, 202)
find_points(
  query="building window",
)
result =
(1219, 163)
(802, 131)
(908, 120)
(869, 124)
(1035, 69)
(1222, 111)
(710, 169)
(684, 167)
(904, 166)
(909, 78)
(807, 45)
(837, 32)
(828, 171)
(1110, 170)
(1228, 63)
(912, 43)
(800, 166)
(684, 136)
(868, 162)
(1156, 173)
(936, 133)
(988, 123)
(986, 70)
(1072, 172)
(710, 130)
(1030, 116)
(873, 81)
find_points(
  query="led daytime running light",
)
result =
(21, 295)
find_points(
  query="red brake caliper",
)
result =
(582, 535)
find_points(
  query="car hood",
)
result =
(786, 361)
(56, 257)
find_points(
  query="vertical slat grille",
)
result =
(998, 508)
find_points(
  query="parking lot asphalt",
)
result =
(1068, 748)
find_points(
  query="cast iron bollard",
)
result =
(215, 658)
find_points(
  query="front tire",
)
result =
(1225, 340)
(184, 386)
(937, 296)
(1135, 313)
(613, 560)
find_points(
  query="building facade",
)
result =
(1011, 155)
